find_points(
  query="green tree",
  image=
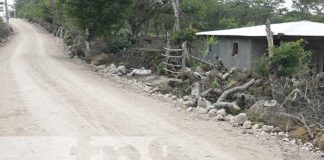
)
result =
(239, 13)
(309, 6)
(312, 10)
(96, 17)
(36, 10)
(142, 12)
(194, 13)
(228, 23)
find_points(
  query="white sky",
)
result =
(10, 1)
(288, 3)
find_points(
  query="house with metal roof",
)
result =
(241, 47)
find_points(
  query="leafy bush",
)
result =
(192, 63)
(184, 35)
(4, 29)
(120, 41)
(290, 58)
(261, 66)
(160, 68)
(210, 41)
(216, 83)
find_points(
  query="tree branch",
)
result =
(235, 89)
(294, 95)
(306, 126)
(232, 106)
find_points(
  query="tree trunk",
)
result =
(65, 33)
(156, 28)
(136, 29)
(61, 32)
(87, 43)
(176, 8)
(232, 106)
(269, 37)
(7, 12)
(223, 97)
(57, 32)
(146, 27)
(275, 82)
(185, 55)
(167, 52)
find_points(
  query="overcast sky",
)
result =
(288, 3)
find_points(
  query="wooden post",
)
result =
(7, 12)
(269, 37)
(271, 76)
(275, 83)
(185, 55)
(167, 52)
(87, 43)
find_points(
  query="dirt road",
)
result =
(51, 108)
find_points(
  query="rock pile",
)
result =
(267, 112)
(112, 69)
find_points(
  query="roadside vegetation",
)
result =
(281, 90)
(4, 31)
(130, 23)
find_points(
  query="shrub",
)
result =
(119, 42)
(290, 58)
(216, 83)
(4, 29)
(192, 63)
(160, 68)
(261, 66)
(184, 35)
(210, 41)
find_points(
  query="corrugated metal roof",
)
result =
(302, 28)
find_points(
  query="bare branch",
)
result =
(306, 126)
(232, 106)
(226, 75)
(303, 121)
(293, 96)
(206, 92)
(235, 89)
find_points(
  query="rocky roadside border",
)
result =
(265, 133)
